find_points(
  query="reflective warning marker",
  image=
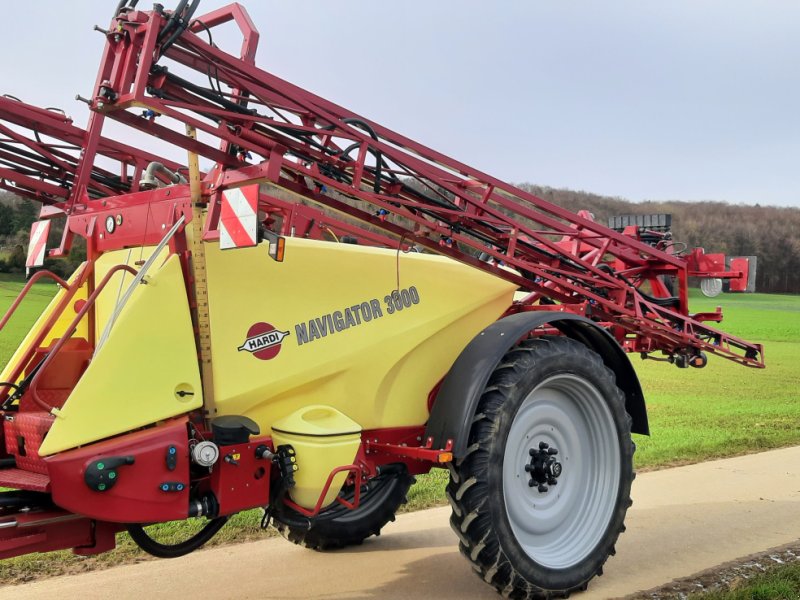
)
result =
(238, 221)
(36, 247)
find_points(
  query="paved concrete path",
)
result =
(683, 521)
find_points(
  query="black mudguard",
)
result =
(454, 407)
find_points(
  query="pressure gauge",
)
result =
(111, 224)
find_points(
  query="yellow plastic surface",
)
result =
(317, 420)
(103, 307)
(58, 329)
(116, 287)
(312, 432)
(133, 380)
(379, 372)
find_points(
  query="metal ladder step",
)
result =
(18, 479)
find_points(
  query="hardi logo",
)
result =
(263, 341)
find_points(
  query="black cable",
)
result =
(22, 170)
(149, 545)
(163, 96)
(671, 302)
(18, 499)
(376, 186)
(211, 95)
(211, 65)
(182, 23)
(23, 385)
(121, 4)
(171, 22)
(27, 154)
(208, 31)
(10, 399)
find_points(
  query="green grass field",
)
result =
(778, 583)
(727, 409)
(695, 415)
(26, 314)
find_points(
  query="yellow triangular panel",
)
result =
(134, 379)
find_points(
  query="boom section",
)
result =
(163, 75)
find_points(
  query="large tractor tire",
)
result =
(337, 526)
(540, 497)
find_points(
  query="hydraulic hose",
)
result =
(159, 550)
(122, 4)
(376, 187)
(183, 21)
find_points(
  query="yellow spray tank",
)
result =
(323, 439)
(344, 334)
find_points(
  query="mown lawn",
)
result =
(726, 409)
(26, 314)
(778, 583)
(695, 415)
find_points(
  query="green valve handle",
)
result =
(101, 475)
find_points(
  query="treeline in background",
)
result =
(16, 217)
(771, 233)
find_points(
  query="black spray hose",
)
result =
(212, 96)
(378, 156)
(122, 4)
(183, 24)
(159, 550)
(171, 22)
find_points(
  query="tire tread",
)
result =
(468, 488)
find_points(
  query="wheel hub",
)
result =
(543, 468)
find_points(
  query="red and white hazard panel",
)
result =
(38, 244)
(238, 220)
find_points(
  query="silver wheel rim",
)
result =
(711, 287)
(561, 527)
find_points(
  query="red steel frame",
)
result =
(384, 189)
(320, 152)
(40, 154)
(268, 130)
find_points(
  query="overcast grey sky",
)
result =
(688, 100)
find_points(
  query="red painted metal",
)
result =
(396, 445)
(42, 151)
(385, 190)
(269, 130)
(48, 530)
(240, 480)
(741, 267)
(71, 328)
(58, 310)
(143, 218)
(17, 479)
(24, 433)
(426, 453)
(66, 368)
(354, 478)
(137, 497)
(31, 281)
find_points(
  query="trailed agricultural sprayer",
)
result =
(310, 309)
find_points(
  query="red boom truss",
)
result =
(161, 74)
